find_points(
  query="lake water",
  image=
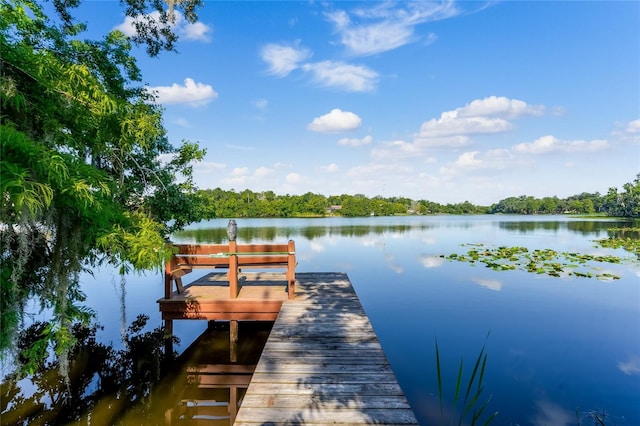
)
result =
(557, 348)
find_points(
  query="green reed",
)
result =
(472, 394)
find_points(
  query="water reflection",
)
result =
(588, 227)
(272, 229)
(214, 374)
(270, 233)
(494, 285)
(550, 413)
(138, 385)
(557, 343)
(631, 366)
(103, 385)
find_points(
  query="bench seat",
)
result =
(234, 257)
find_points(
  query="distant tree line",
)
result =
(625, 203)
(218, 203)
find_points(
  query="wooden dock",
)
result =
(323, 364)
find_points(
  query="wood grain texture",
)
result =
(323, 364)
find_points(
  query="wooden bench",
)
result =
(233, 257)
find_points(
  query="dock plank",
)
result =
(323, 364)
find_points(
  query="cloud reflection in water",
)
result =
(494, 285)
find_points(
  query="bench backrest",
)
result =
(217, 255)
(231, 256)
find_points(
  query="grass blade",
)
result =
(473, 375)
(458, 381)
(439, 371)
(490, 419)
(469, 405)
(484, 364)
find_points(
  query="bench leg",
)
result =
(179, 287)
(291, 286)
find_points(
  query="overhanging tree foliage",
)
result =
(81, 178)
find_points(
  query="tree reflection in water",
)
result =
(135, 385)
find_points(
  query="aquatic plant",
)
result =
(539, 261)
(625, 238)
(596, 418)
(474, 388)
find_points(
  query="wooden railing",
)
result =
(233, 257)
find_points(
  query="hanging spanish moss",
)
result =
(123, 307)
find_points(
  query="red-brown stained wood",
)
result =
(322, 363)
(233, 257)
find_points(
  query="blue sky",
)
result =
(444, 101)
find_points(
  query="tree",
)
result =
(80, 175)
(549, 205)
(629, 199)
(357, 205)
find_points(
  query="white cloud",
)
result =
(494, 159)
(488, 115)
(379, 37)
(352, 78)
(282, 59)
(431, 38)
(376, 170)
(127, 27)
(262, 172)
(395, 150)
(340, 19)
(387, 25)
(206, 171)
(293, 178)
(330, 168)
(627, 132)
(449, 124)
(182, 122)
(208, 166)
(452, 141)
(468, 159)
(499, 106)
(192, 93)
(355, 141)
(261, 103)
(240, 147)
(633, 127)
(197, 31)
(335, 121)
(240, 171)
(550, 143)
(281, 165)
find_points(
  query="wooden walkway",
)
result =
(323, 364)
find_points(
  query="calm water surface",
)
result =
(556, 346)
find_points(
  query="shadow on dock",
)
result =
(323, 363)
